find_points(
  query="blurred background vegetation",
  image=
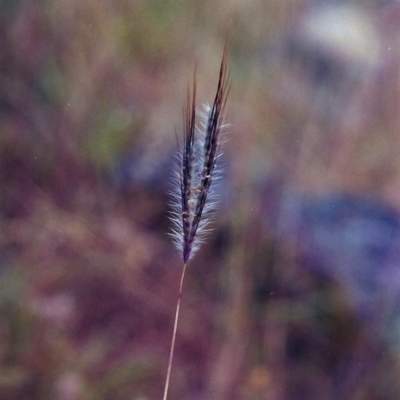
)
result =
(295, 295)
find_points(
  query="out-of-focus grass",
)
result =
(90, 96)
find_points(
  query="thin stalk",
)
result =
(171, 353)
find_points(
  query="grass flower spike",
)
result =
(193, 200)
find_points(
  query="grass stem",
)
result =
(171, 353)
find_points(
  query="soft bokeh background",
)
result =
(295, 295)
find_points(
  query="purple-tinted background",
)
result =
(296, 293)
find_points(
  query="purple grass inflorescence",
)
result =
(193, 200)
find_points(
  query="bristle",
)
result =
(193, 200)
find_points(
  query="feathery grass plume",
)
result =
(193, 200)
